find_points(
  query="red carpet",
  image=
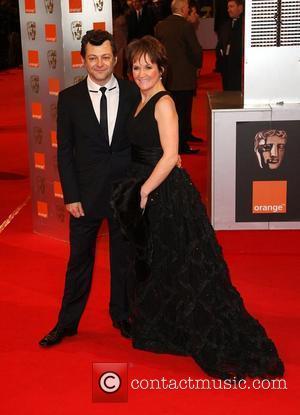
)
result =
(265, 266)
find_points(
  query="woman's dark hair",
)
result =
(150, 46)
(96, 38)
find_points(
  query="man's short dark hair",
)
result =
(237, 2)
(96, 38)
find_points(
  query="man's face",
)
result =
(185, 9)
(272, 151)
(234, 10)
(136, 4)
(100, 62)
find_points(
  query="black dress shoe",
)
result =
(124, 326)
(188, 150)
(194, 139)
(56, 335)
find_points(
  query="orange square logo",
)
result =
(99, 26)
(36, 110)
(269, 196)
(29, 6)
(57, 189)
(53, 86)
(50, 32)
(39, 161)
(42, 209)
(53, 139)
(75, 6)
(76, 59)
(33, 58)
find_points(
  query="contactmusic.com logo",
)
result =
(110, 382)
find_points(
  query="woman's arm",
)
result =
(167, 120)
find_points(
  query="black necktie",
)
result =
(103, 114)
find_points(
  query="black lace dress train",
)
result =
(182, 299)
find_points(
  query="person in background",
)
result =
(230, 46)
(120, 32)
(140, 20)
(185, 58)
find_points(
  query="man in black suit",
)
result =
(184, 58)
(93, 151)
(230, 45)
(140, 21)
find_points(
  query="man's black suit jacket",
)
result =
(139, 28)
(87, 164)
(231, 64)
(183, 50)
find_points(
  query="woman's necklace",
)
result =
(143, 103)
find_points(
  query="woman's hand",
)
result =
(144, 198)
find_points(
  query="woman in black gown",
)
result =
(183, 301)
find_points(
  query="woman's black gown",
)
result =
(183, 301)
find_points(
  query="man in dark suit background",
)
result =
(230, 45)
(93, 151)
(184, 58)
(140, 21)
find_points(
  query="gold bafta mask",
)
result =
(38, 135)
(98, 4)
(35, 83)
(76, 29)
(60, 212)
(41, 185)
(31, 30)
(52, 58)
(269, 147)
(53, 112)
(78, 79)
(49, 6)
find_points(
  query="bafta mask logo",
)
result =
(98, 4)
(269, 147)
(49, 6)
(35, 83)
(41, 185)
(78, 79)
(60, 212)
(53, 112)
(52, 58)
(76, 29)
(38, 135)
(31, 30)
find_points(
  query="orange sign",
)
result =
(36, 110)
(29, 6)
(53, 139)
(99, 26)
(33, 58)
(75, 6)
(42, 209)
(57, 189)
(76, 59)
(39, 161)
(53, 86)
(269, 196)
(50, 32)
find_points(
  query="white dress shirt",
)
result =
(112, 96)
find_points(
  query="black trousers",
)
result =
(184, 103)
(83, 236)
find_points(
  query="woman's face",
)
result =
(145, 73)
